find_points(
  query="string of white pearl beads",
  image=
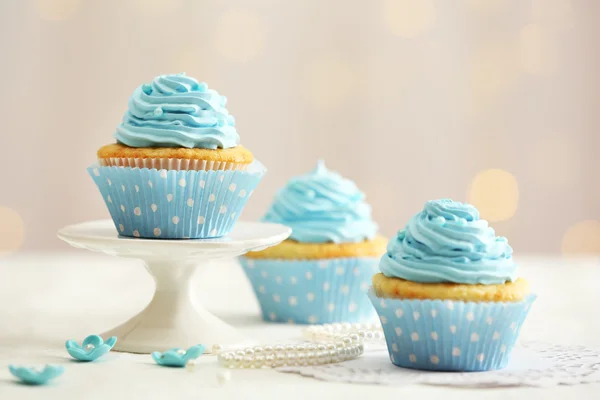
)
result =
(291, 354)
(369, 332)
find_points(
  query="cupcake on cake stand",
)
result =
(173, 318)
(175, 183)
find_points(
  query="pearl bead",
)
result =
(270, 360)
(292, 358)
(259, 361)
(89, 347)
(249, 352)
(228, 358)
(217, 348)
(278, 348)
(290, 347)
(330, 346)
(321, 347)
(369, 335)
(347, 341)
(247, 361)
(181, 352)
(378, 335)
(280, 359)
(240, 353)
(311, 347)
(361, 334)
(238, 360)
(268, 349)
(339, 345)
(258, 350)
(302, 358)
(301, 348)
(354, 338)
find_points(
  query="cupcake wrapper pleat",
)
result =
(312, 291)
(170, 204)
(450, 335)
(170, 164)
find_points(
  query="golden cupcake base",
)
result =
(396, 288)
(293, 250)
(236, 155)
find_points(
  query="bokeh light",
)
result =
(12, 231)
(240, 35)
(582, 238)
(408, 18)
(556, 161)
(328, 82)
(495, 192)
(538, 54)
(56, 10)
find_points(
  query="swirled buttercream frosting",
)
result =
(177, 111)
(448, 242)
(321, 207)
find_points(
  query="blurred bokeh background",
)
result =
(495, 102)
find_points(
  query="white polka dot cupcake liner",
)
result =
(170, 204)
(445, 335)
(312, 291)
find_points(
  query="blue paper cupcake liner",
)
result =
(171, 204)
(312, 291)
(444, 335)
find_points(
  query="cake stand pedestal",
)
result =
(173, 318)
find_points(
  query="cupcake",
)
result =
(322, 272)
(177, 169)
(448, 295)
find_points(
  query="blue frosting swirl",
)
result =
(448, 242)
(322, 206)
(177, 111)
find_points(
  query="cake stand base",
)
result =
(173, 318)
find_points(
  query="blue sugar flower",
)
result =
(91, 348)
(178, 357)
(36, 375)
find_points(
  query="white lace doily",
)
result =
(532, 364)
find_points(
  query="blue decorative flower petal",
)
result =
(97, 347)
(111, 341)
(94, 340)
(178, 357)
(35, 376)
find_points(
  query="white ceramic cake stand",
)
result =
(173, 318)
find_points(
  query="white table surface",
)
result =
(46, 299)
